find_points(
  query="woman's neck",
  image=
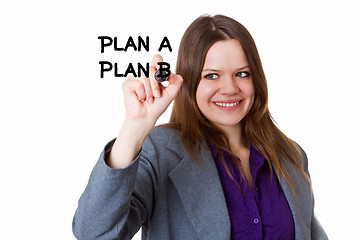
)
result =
(236, 138)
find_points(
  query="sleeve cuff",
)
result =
(108, 172)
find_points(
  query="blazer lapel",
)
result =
(201, 193)
(299, 203)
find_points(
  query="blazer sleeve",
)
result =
(116, 202)
(317, 231)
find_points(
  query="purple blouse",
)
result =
(260, 214)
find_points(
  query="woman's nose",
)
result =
(229, 86)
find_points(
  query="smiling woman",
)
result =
(220, 169)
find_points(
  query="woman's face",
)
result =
(226, 92)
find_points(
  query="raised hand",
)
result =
(145, 100)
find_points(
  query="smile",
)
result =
(222, 104)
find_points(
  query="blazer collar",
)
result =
(201, 193)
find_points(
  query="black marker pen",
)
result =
(163, 73)
(159, 77)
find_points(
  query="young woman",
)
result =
(220, 169)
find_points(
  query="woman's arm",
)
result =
(109, 208)
(317, 231)
(103, 208)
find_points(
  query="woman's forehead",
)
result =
(225, 54)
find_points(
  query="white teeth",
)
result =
(227, 104)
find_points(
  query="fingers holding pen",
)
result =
(174, 80)
(149, 88)
(140, 88)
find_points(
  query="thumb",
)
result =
(175, 82)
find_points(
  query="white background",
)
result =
(57, 113)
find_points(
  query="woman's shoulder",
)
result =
(163, 138)
(164, 133)
(304, 159)
(161, 152)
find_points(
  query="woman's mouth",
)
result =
(227, 104)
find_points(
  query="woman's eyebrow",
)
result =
(243, 67)
(210, 70)
(216, 70)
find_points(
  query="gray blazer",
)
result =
(171, 197)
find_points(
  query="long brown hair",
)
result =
(258, 127)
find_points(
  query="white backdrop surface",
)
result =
(57, 113)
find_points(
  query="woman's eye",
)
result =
(211, 76)
(243, 74)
